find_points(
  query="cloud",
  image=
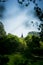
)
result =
(15, 22)
(18, 18)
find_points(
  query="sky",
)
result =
(17, 18)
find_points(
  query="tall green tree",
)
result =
(2, 30)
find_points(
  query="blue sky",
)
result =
(17, 18)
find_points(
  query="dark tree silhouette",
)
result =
(22, 36)
(3, 60)
(2, 31)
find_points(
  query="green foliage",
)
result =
(3, 60)
(20, 51)
(22, 45)
(2, 31)
(32, 41)
(9, 44)
(17, 59)
(41, 44)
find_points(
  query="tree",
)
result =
(22, 36)
(11, 44)
(35, 41)
(2, 31)
(32, 42)
(3, 60)
(20, 60)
